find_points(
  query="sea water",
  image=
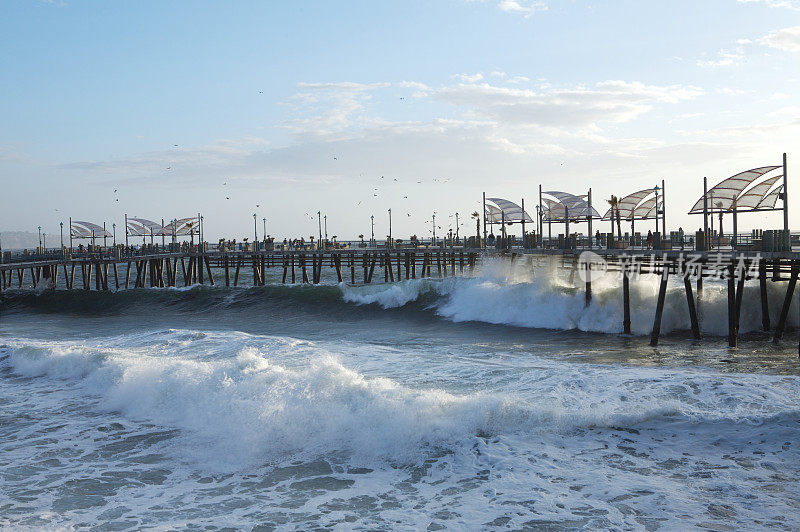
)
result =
(495, 400)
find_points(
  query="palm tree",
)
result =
(477, 226)
(613, 201)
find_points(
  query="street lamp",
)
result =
(372, 231)
(655, 189)
(319, 223)
(389, 244)
(44, 239)
(433, 221)
(265, 229)
(456, 226)
(326, 226)
(40, 239)
(255, 229)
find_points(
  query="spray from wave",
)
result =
(241, 399)
(543, 297)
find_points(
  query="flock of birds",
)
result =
(376, 191)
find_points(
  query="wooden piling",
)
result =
(762, 284)
(787, 302)
(626, 302)
(662, 294)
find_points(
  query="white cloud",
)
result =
(790, 4)
(469, 78)
(787, 39)
(522, 7)
(609, 101)
(724, 58)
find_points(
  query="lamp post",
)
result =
(44, 240)
(325, 219)
(40, 239)
(61, 225)
(114, 233)
(389, 244)
(433, 221)
(265, 229)
(319, 223)
(255, 229)
(456, 227)
(655, 189)
(372, 230)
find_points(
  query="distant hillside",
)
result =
(22, 240)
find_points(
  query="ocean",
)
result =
(492, 401)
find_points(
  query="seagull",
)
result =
(359, 203)
(419, 181)
(115, 191)
(402, 98)
(225, 183)
(226, 197)
(335, 159)
(117, 199)
(408, 214)
(261, 92)
(395, 179)
(175, 145)
(405, 197)
(375, 195)
(257, 205)
(169, 168)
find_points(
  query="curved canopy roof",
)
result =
(511, 211)
(724, 195)
(627, 205)
(576, 206)
(647, 209)
(493, 215)
(756, 193)
(144, 227)
(80, 229)
(769, 200)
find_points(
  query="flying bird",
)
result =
(115, 191)
(226, 197)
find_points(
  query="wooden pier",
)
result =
(161, 270)
(107, 272)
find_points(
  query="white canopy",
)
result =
(577, 206)
(511, 211)
(144, 227)
(723, 195)
(80, 229)
(756, 194)
(627, 205)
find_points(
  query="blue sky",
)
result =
(303, 106)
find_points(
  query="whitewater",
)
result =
(494, 401)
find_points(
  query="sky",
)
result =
(282, 109)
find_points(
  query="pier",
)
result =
(120, 271)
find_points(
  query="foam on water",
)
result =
(542, 297)
(330, 443)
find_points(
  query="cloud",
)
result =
(526, 8)
(790, 4)
(787, 39)
(608, 101)
(724, 57)
(469, 78)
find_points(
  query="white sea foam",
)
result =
(254, 405)
(543, 297)
(290, 421)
